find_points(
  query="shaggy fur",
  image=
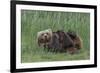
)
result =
(55, 44)
(59, 41)
(76, 39)
(66, 42)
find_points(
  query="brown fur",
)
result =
(59, 41)
(78, 42)
(72, 50)
(76, 39)
(66, 42)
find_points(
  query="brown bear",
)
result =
(59, 41)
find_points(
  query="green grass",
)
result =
(35, 21)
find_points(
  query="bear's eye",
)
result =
(42, 34)
(47, 33)
(41, 39)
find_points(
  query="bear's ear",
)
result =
(38, 34)
(72, 34)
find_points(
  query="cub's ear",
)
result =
(60, 31)
(72, 34)
(71, 31)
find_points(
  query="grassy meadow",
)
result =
(33, 21)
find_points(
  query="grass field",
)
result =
(35, 21)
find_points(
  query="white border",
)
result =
(20, 65)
